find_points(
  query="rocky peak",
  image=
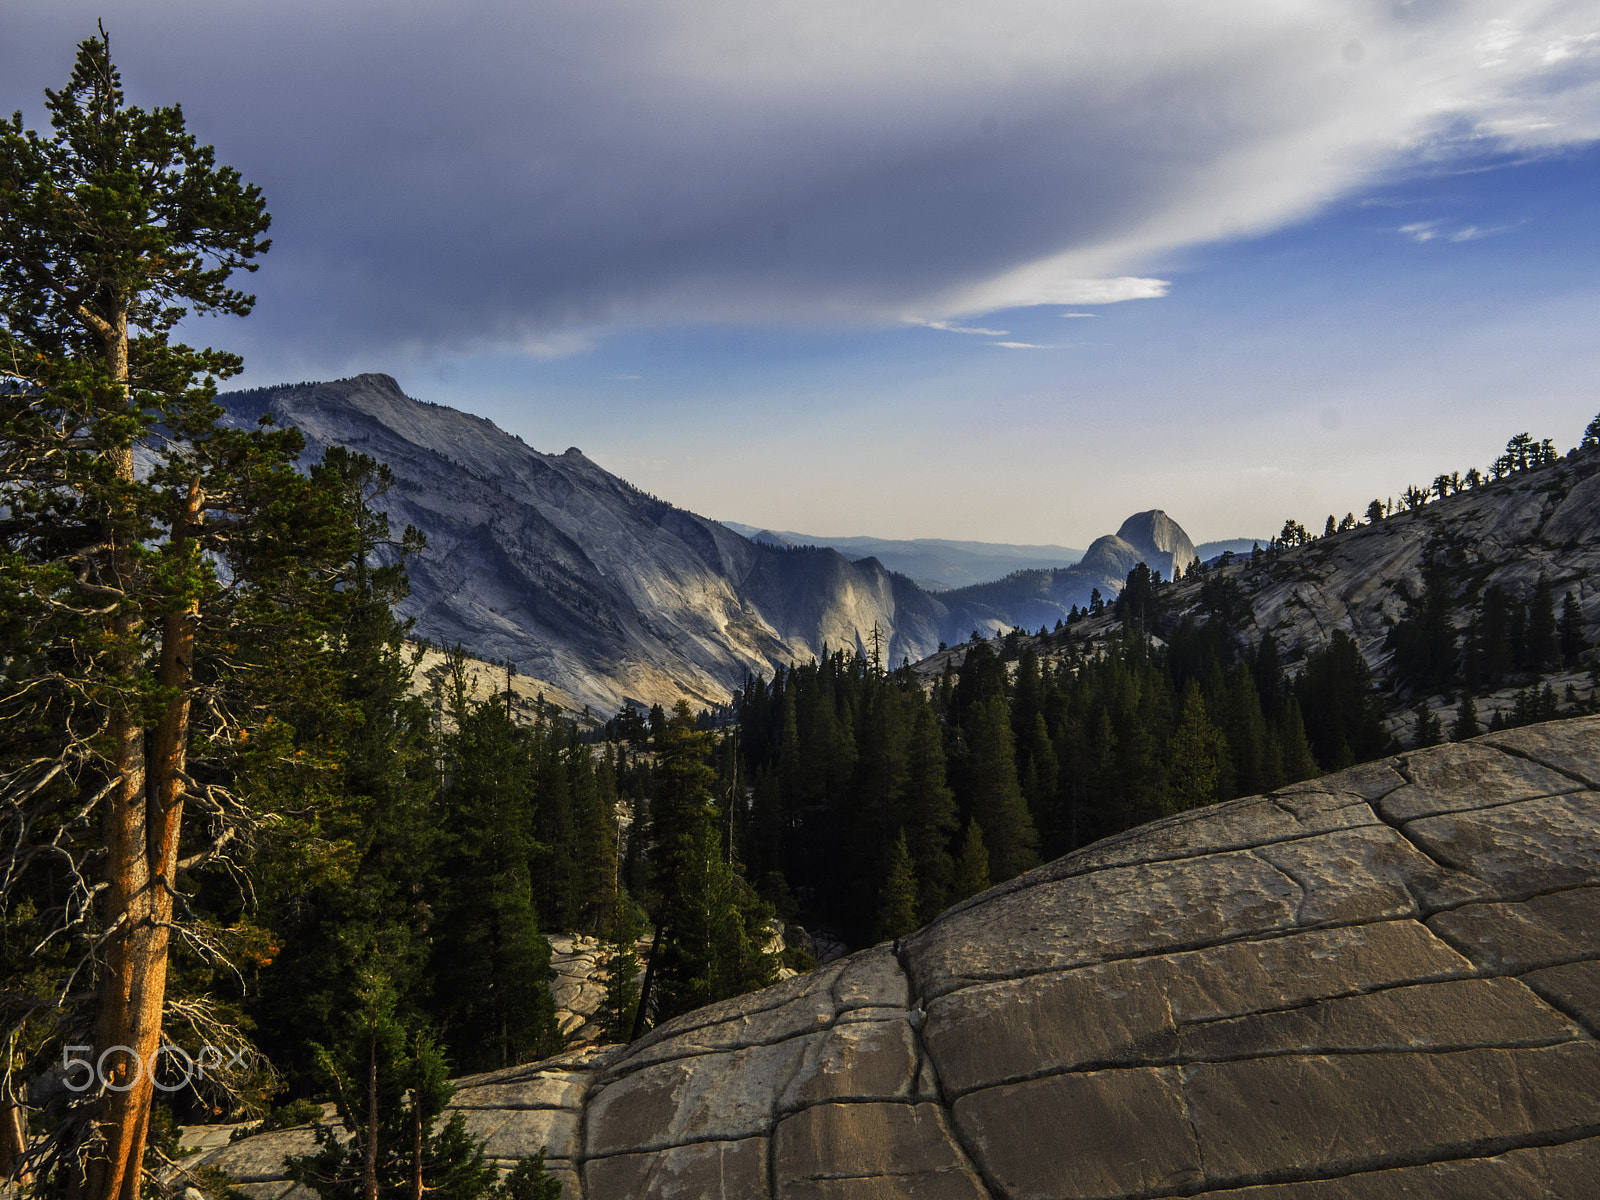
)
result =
(1159, 540)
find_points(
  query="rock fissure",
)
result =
(1585, 782)
(1193, 1122)
(1109, 1066)
(1468, 1151)
(1399, 828)
(1586, 1019)
(927, 1062)
(1301, 885)
(1041, 876)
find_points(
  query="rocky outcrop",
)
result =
(1381, 983)
(1505, 532)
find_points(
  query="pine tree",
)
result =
(594, 803)
(740, 930)
(377, 818)
(1430, 731)
(678, 977)
(390, 1084)
(710, 925)
(1337, 699)
(621, 1004)
(927, 812)
(972, 865)
(1198, 751)
(1543, 647)
(114, 227)
(897, 904)
(996, 794)
(1294, 747)
(554, 868)
(1497, 649)
(1570, 634)
(1424, 639)
(492, 992)
(1466, 723)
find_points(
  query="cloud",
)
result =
(1021, 346)
(1472, 233)
(1073, 316)
(1038, 284)
(949, 327)
(1421, 231)
(1428, 231)
(527, 175)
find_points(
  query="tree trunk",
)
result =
(642, 1012)
(369, 1152)
(142, 825)
(416, 1144)
(13, 1141)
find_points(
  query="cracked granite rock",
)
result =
(1383, 983)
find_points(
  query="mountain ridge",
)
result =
(936, 564)
(613, 595)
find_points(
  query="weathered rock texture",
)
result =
(1382, 983)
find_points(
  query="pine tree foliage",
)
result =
(897, 910)
(389, 1083)
(160, 622)
(1198, 753)
(972, 864)
(492, 972)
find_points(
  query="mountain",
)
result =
(578, 577)
(1035, 598)
(611, 596)
(1505, 532)
(937, 564)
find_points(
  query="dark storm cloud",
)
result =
(527, 175)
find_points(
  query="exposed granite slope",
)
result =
(1507, 532)
(1382, 983)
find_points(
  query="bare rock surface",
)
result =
(1383, 983)
(1506, 532)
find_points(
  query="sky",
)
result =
(1007, 271)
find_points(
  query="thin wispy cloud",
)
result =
(1430, 231)
(1022, 346)
(1421, 231)
(1472, 233)
(951, 327)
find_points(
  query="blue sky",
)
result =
(1004, 272)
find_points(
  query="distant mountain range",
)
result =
(941, 565)
(1236, 546)
(936, 564)
(613, 596)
